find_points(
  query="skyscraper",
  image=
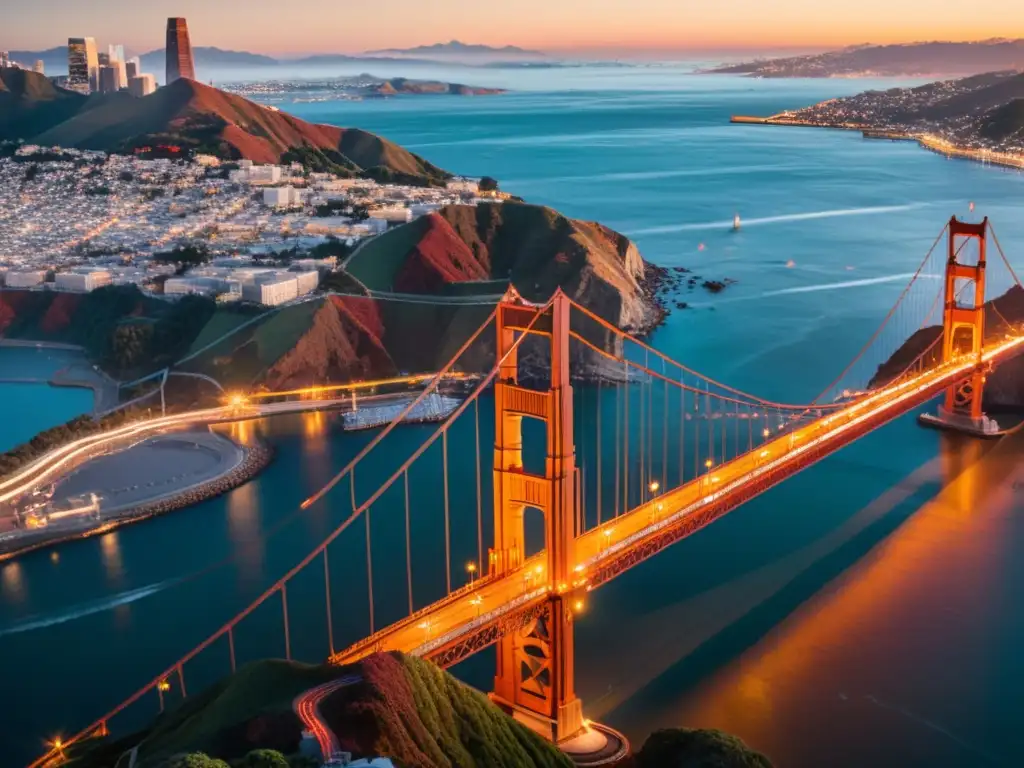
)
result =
(83, 65)
(179, 51)
(110, 79)
(142, 85)
(133, 68)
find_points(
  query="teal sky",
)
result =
(271, 26)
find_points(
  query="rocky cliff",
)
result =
(533, 248)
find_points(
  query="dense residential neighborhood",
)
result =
(74, 220)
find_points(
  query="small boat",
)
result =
(972, 207)
(736, 223)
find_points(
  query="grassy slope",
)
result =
(376, 263)
(404, 707)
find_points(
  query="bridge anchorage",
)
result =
(963, 331)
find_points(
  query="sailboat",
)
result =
(736, 223)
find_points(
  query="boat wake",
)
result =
(809, 216)
(838, 286)
(85, 609)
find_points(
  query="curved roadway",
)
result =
(307, 707)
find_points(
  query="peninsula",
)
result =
(976, 118)
(929, 59)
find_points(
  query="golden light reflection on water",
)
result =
(244, 526)
(110, 551)
(915, 598)
(12, 582)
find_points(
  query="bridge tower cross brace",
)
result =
(534, 680)
(964, 400)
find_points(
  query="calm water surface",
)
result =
(861, 614)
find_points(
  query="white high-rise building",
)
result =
(142, 85)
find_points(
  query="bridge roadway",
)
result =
(67, 456)
(480, 613)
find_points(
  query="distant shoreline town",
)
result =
(979, 118)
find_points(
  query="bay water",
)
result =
(861, 614)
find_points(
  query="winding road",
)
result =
(307, 707)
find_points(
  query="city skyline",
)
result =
(649, 28)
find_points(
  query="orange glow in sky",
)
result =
(551, 25)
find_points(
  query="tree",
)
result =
(196, 760)
(488, 184)
(697, 748)
(264, 758)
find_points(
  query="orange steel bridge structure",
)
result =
(687, 450)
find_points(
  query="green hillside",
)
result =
(398, 706)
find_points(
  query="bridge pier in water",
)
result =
(963, 331)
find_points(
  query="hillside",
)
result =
(30, 104)
(904, 60)
(533, 247)
(1005, 385)
(457, 49)
(1004, 124)
(196, 117)
(398, 706)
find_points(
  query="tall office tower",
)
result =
(132, 67)
(142, 85)
(39, 66)
(116, 52)
(103, 59)
(109, 79)
(83, 65)
(179, 52)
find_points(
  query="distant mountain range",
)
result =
(55, 60)
(200, 118)
(905, 60)
(455, 48)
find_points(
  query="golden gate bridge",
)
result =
(685, 450)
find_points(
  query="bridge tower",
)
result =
(534, 678)
(964, 329)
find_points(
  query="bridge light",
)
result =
(579, 568)
(660, 506)
(578, 606)
(764, 454)
(163, 685)
(539, 570)
(654, 486)
(766, 432)
(714, 479)
(708, 463)
(608, 533)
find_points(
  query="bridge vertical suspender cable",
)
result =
(447, 517)
(626, 441)
(408, 542)
(479, 497)
(600, 450)
(327, 603)
(682, 429)
(617, 440)
(664, 434)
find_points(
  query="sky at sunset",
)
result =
(270, 26)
